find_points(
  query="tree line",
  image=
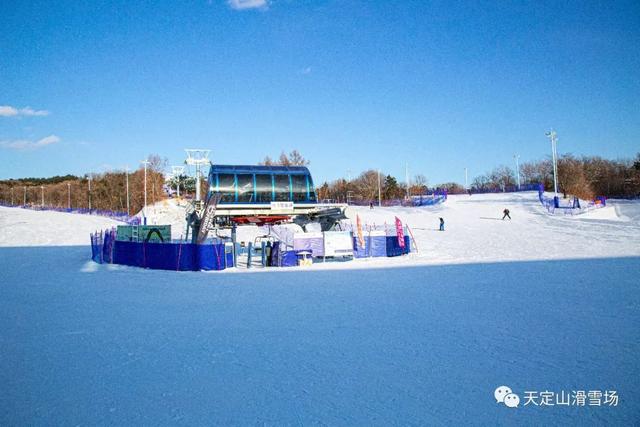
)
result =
(585, 176)
(108, 189)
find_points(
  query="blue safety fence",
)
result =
(430, 198)
(289, 259)
(97, 244)
(393, 246)
(380, 246)
(505, 189)
(379, 240)
(178, 256)
(571, 206)
(116, 215)
(440, 195)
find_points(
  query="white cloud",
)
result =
(28, 111)
(247, 4)
(9, 111)
(25, 144)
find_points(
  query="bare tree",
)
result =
(366, 185)
(267, 161)
(502, 177)
(572, 179)
(294, 158)
(418, 185)
(283, 160)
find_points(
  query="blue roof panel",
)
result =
(295, 170)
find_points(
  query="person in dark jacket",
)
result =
(441, 224)
(506, 214)
(267, 253)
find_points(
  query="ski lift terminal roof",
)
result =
(292, 170)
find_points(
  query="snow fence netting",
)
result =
(171, 256)
(381, 241)
(179, 256)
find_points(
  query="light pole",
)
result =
(144, 208)
(42, 192)
(24, 202)
(11, 196)
(466, 179)
(517, 157)
(554, 155)
(69, 195)
(126, 174)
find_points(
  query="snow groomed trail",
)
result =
(538, 303)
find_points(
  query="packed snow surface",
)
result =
(538, 303)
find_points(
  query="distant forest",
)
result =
(585, 177)
(108, 189)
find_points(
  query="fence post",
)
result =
(100, 246)
(234, 237)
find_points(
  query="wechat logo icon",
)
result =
(504, 394)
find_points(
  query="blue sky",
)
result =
(90, 85)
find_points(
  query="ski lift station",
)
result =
(270, 197)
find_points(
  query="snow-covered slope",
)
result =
(25, 227)
(408, 344)
(474, 230)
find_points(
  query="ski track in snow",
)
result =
(537, 303)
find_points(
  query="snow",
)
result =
(537, 303)
(25, 227)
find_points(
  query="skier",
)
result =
(506, 214)
(370, 205)
(441, 224)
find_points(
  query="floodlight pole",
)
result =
(24, 203)
(554, 142)
(11, 196)
(126, 173)
(89, 192)
(466, 179)
(144, 208)
(69, 195)
(379, 190)
(42, 192)
(517, 157)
